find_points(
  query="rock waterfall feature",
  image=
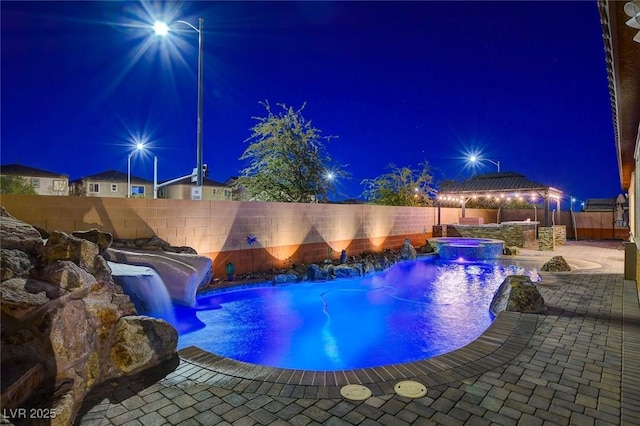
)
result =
(66, 324)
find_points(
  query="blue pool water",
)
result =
(412, 311)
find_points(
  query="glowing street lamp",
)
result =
(162, 29)
(475, 159)
(139, 147)
(328, 176)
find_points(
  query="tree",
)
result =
(287, 160)
(79, 189)
(402, 186)
(15, 185)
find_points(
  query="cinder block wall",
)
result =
(286, 233)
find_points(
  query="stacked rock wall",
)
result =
(66, 326)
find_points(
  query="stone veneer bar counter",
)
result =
(514, 233)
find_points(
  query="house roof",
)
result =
(187, 181)
(21, 170)
(113, 176)
(603, 204)
(622, 56)
(599, 204)
(500, 182)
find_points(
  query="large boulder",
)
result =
(368, 268)
(517, 294)
(141, 341)
(62, 246)
(382, 263)
(22, 296)
(407, 251)
(556, 264)
(19, 235)
(102, 239)
(316, 273)
(66, 275)
(352, 270)
(15, 263)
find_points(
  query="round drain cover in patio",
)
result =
(410, 389)
(355, 392)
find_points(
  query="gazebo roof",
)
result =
(502, 182)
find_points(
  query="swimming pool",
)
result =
(412, 311)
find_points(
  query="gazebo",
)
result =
(501, 187)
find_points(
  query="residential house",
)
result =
(42, 181)
(112, 183)
(182, 189)
(620, 32)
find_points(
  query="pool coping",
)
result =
(505, 338)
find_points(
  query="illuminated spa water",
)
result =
(414, 310)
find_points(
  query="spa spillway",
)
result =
(467, 248)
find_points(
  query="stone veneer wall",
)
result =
(546, 238)
(286, 232)
(560, 235)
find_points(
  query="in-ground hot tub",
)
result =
(467, 248)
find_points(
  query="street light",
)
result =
(328, 176)
(162, 29)
(139, 147)
(475, 158)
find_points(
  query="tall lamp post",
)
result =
(139, 147)
(475, 159)
(162, 29)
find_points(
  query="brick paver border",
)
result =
(505, 338)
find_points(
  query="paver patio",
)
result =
(578, 363)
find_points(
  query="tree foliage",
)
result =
(15, 185)
(402, 186)
(287, 159)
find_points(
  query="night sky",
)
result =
(522, 83)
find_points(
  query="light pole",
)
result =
(139, 147)
(475, 158)
(162, 29)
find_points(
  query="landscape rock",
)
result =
(141, 341)
(102, 239)
(556, 264)
(66, 274)
(382, 263)
(285, 279)
(19, 235)
(20, 297)
(368, 268)
(316, 273)
(15, 263)
(62, 246)
(511, 251)
(517, 294)
(352, 270)
(427, 248)
(407, 251)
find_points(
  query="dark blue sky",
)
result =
(523, 83)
